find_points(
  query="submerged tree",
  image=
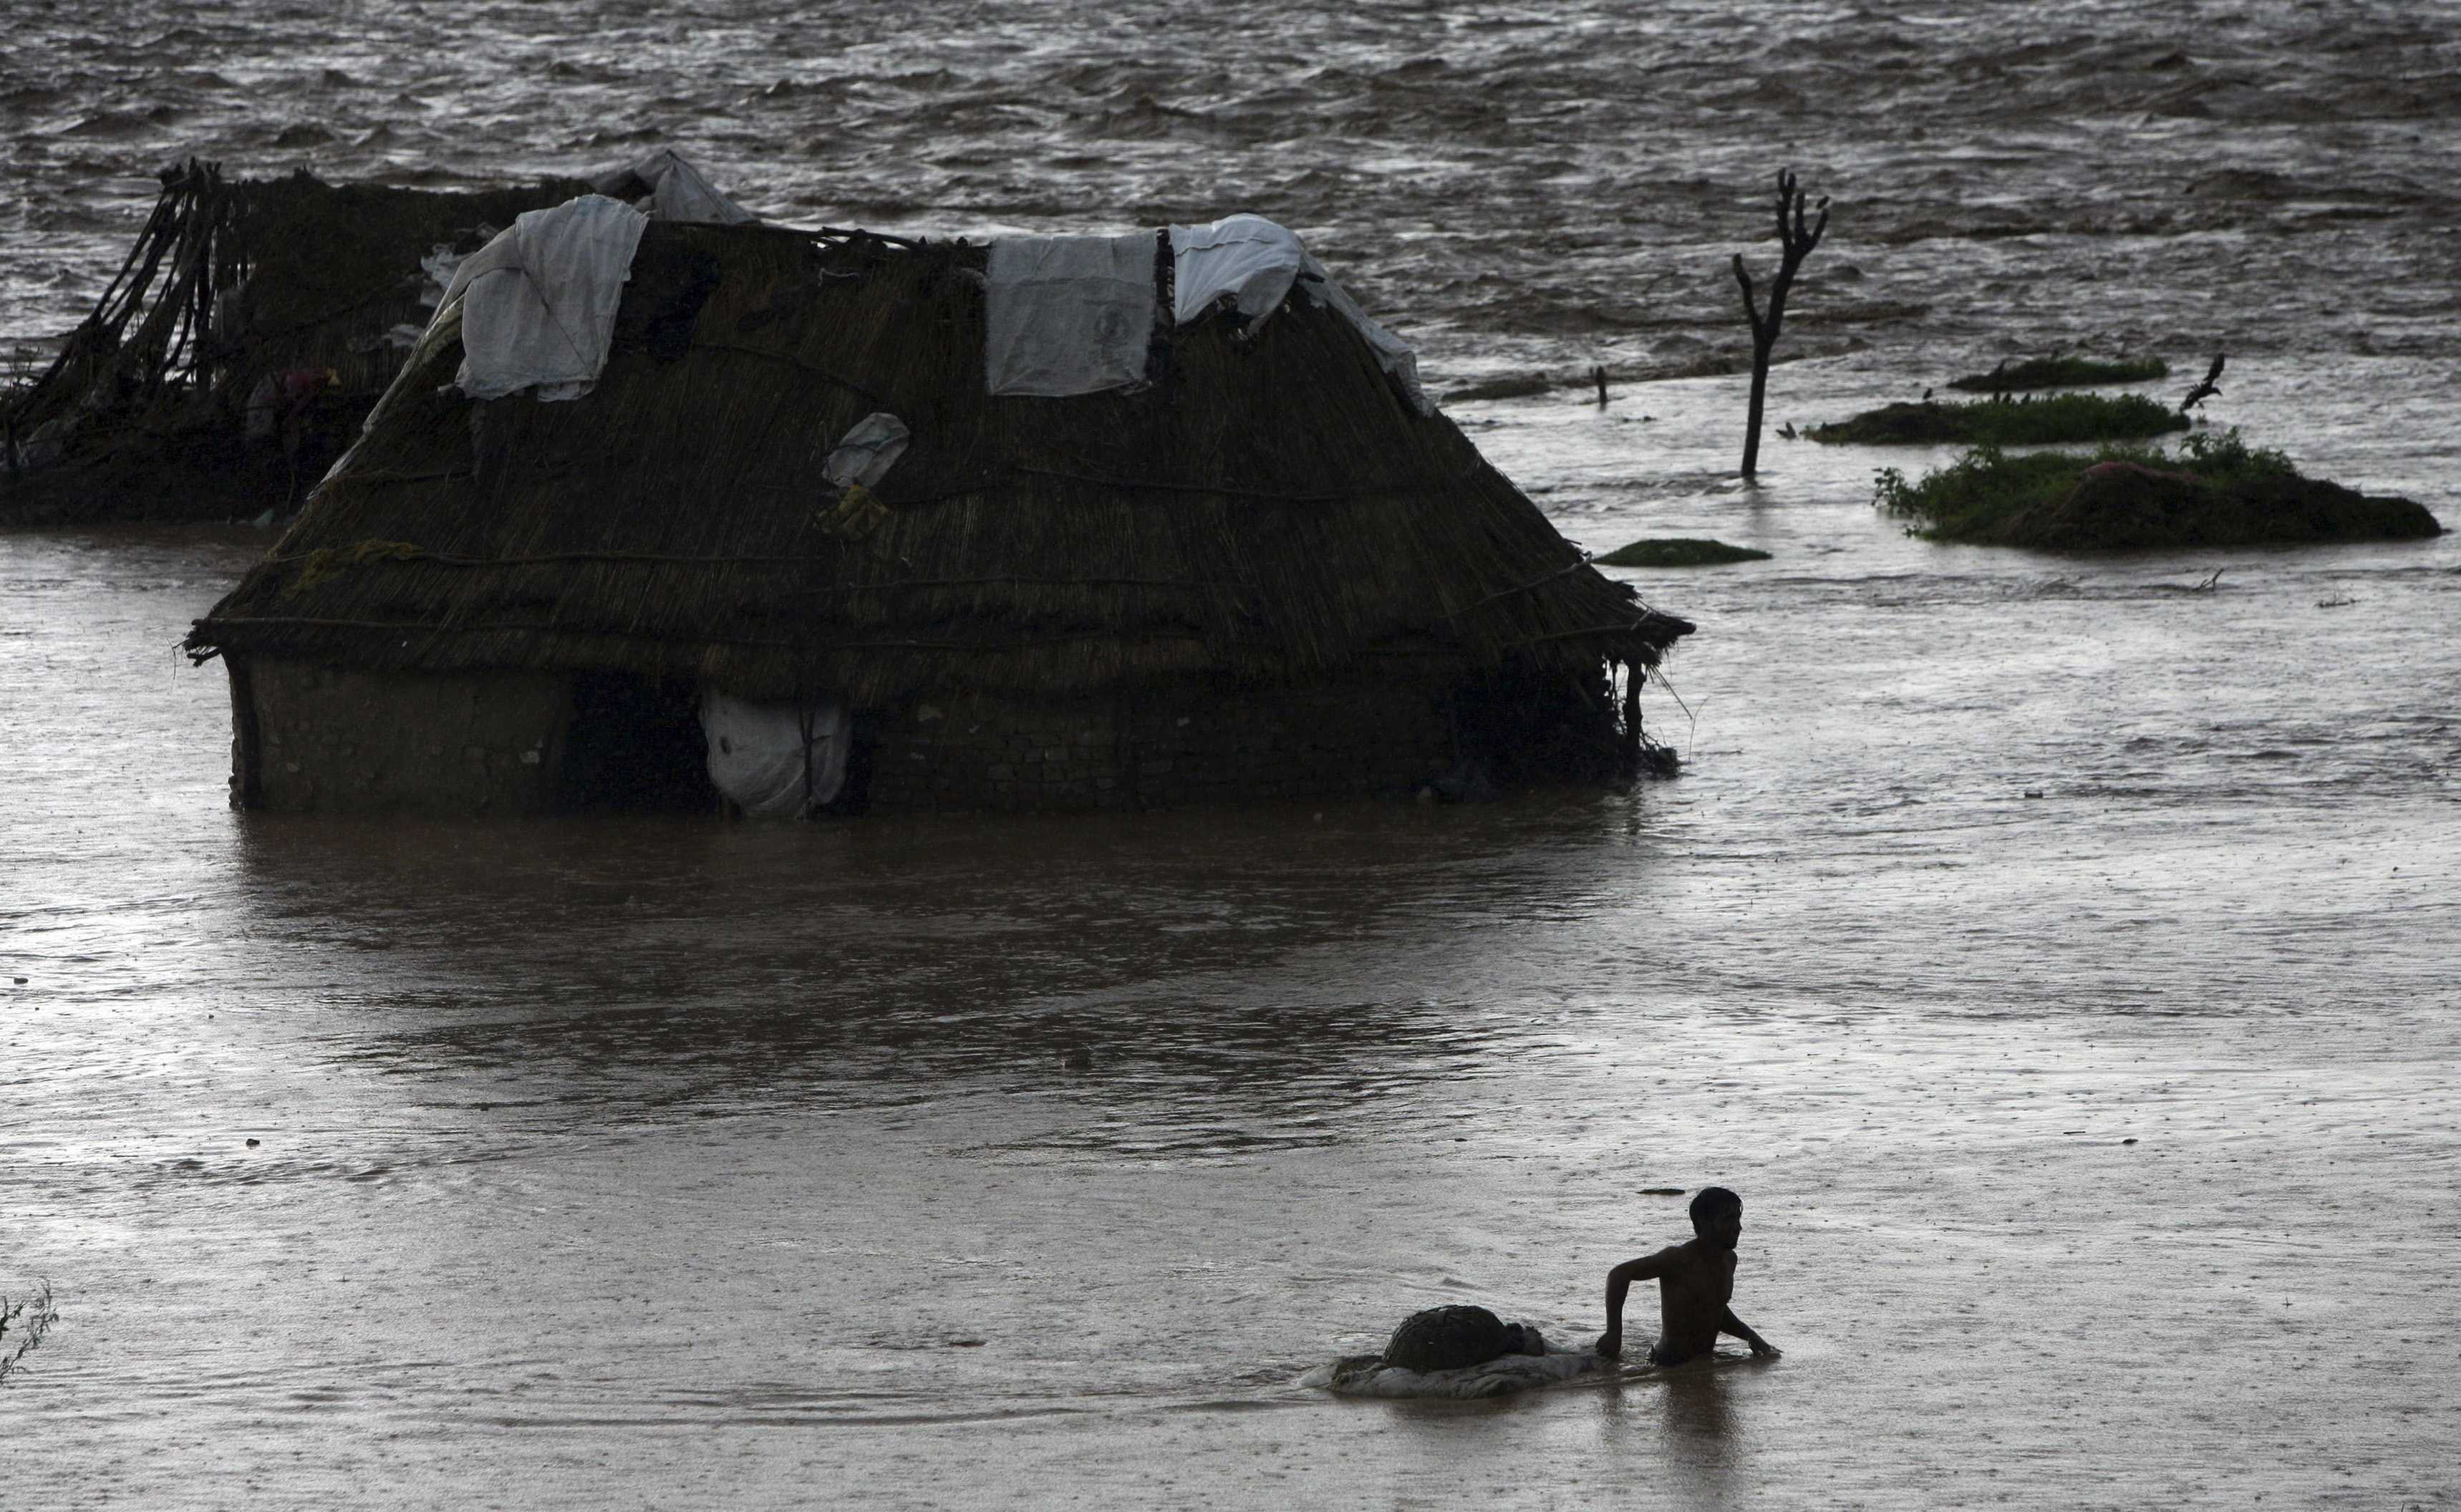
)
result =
(1796, 241)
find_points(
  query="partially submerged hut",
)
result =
(839, 523)
(248, 331)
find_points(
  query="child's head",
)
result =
(1718, 1213)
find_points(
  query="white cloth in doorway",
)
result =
(775, 761)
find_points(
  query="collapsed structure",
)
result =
(829, 520)
(252, 327)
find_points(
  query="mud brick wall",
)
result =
(1190, 743)
(325, 740)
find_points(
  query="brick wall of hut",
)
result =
(323, 739)
(334, 740)
(1188, 744)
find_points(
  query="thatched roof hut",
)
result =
(1268, 549)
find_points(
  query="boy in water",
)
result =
(1696, 1279)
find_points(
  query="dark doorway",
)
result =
(634, 746)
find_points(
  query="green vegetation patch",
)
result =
(2001, 422)
(2217, 492)
(1678, 551)
(2060, 373)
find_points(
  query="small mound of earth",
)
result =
(2125, 505)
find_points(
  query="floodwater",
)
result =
(663, 1162)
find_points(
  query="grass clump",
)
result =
(1678, 551)
(2061, 372)
(1998, 422)
(2218, 491)
(28, 1318)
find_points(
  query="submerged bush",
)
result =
(1999, 423)
(2216, 491)
(1678, 551)
(2061, 372)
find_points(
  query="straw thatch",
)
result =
(231, 283)
(1270, 509)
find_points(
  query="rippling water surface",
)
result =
(660, 1162)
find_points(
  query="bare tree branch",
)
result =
(1796, 235)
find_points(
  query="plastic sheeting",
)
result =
(1074, 314)
(775, 761)
(1247, 259)
(538, 302)
(1252, 263)
(1068, 314)
(871, 448)
(675, 189)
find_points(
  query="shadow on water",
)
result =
(1700, 1433)
(647, 964)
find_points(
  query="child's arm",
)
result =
(1728, 1323)
(1620, 1280)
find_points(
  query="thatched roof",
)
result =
(1272, 509)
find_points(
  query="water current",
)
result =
(1030, 1162)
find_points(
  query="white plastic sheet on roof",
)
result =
(869, 448)
(1247, 259)
(676, 190)
(538, 302)
(1067, 314)
(1073, 315)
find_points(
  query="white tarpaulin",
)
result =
(1245, 257)
(775, 761)
(1253, 262)
(675, 189)
(538, 302)
(1068, 314)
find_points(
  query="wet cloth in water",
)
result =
(538, 302)
(1454, 1351)
(1068, 314)
(1369, 1375)
(775, 761)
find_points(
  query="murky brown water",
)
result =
(664, 1164)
